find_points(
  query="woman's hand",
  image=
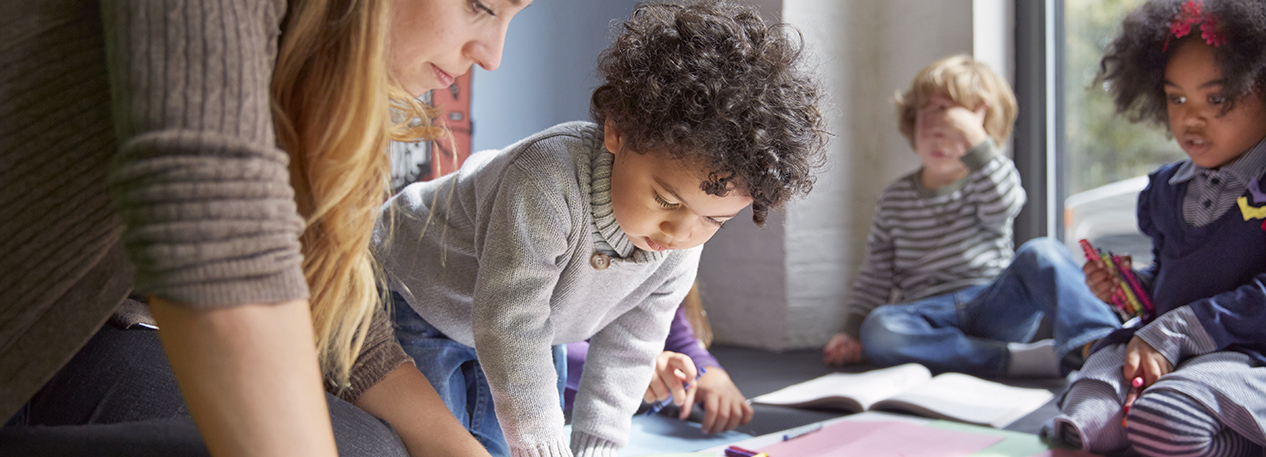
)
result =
(842, 350)
(724, 407)
(672, 372)
(1141, 360)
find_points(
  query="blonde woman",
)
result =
(221, 160)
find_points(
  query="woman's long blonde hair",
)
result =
(333, 103)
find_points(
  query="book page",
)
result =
(849, 391)
(969, 399)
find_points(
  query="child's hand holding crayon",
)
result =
(1144, 361)
(1111, 278)
(673, 378)
(1100, 277)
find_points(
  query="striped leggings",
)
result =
(1162, 422)
(1172, 424)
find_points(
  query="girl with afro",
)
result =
(1188, 379)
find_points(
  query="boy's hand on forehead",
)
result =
(958, 123)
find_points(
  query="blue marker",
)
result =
(660, 405)
(802, 431)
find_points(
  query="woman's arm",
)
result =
(406, 400)
(249, 375)
(211, 221)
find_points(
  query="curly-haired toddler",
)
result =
(593, 230)
(1189, 380)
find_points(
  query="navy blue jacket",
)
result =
(1218, 269)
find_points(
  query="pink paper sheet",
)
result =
(881, 439)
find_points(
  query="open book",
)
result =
(911, 388)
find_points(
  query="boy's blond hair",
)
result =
(966, 82)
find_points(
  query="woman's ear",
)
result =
(612, 138)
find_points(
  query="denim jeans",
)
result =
(453, 369)
(118, 396)
(968, 331)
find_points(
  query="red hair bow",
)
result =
(1190, 16)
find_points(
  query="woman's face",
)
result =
(433, 42)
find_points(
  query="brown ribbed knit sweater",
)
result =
(154, 115)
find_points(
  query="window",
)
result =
(1100, 147)
(1087, 187)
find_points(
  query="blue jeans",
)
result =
(453, 369)
(968, 331)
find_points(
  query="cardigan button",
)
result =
(600, 261)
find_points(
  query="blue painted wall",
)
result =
(547, 69)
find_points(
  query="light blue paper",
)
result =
(654, 435)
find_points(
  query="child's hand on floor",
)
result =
(1143, 360)
(1100, 280)
(842, 350)
(724, 407)
(672, 372)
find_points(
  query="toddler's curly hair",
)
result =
(1133, 67)
(711, 83)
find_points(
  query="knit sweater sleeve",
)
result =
(198, 179)
(380, 355)
(621, 361)
(993, 185)
(519, 248)
(875, 279)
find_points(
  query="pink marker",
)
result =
(1136, 387)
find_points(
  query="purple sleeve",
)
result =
(681, 338)
(576, 353)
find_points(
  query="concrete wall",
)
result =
(866, 51)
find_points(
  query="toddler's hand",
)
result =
(724, 407)
(842, 350)
(958, 123)
(1143, 360)
(672, 371)
(1100, 279)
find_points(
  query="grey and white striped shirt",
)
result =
(926, 242)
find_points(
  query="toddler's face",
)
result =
(1193, 87)
(940, 135)
(658, 203)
